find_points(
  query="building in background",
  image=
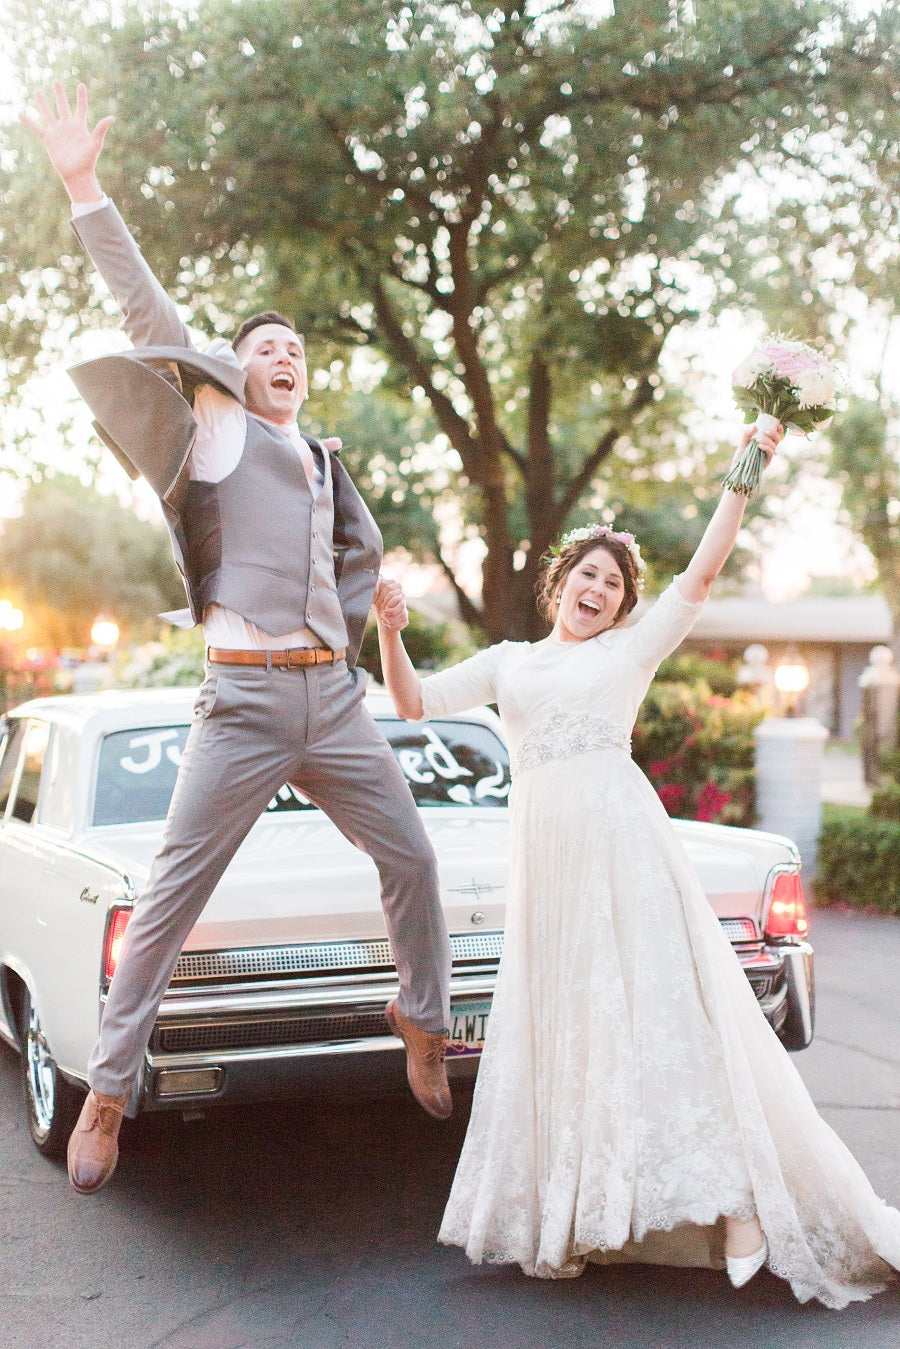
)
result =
(833, 635)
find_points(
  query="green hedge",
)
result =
(859, 863)
(697, 749)
(886, 802)
(687, 667)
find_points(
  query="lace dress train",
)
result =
(631, 1093)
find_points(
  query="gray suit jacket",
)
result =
(141, 400)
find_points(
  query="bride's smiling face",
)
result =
(591, 597)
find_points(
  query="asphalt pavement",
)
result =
(313, 1226)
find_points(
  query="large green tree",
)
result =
(75, 552)
(508, 205)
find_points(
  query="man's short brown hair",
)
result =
(257, 321)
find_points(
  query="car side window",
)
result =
(37, 738)
(9, 760)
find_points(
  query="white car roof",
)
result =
(117, 709)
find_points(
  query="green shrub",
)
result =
(689, 668)
(697, 749)
(886, 802)
(859, 863)
(889, 763)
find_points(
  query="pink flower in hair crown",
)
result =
(604, 532)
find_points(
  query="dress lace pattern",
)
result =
(563, 734)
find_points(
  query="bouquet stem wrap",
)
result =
(744, 477)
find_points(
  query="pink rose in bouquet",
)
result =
(789, 382)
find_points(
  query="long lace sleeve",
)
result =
(468, 684)
(664, 627)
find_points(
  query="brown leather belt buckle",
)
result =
(295, 657)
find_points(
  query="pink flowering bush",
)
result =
(697, 749)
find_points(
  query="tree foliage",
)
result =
(865, 460)
(73, 553)
(508, 206)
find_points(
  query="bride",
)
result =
(632, 1101)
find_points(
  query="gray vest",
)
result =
(258, 544)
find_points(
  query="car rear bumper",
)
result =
(325, 1036)
(781, 976)
(264, 1043)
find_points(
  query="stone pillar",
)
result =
(880, 683)
(789, 781)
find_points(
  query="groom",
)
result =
(280, 558)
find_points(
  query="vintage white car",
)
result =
(281, 987)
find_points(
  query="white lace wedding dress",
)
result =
(631, 1092)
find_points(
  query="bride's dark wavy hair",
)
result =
(554, 570)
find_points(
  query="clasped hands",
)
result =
(389, 604)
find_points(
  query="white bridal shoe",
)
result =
(741, 1268)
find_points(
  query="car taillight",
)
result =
(787, 911)
(115, 935)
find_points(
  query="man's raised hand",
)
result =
(73, 149)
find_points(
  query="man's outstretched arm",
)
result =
(149, 316)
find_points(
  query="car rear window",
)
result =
(446, 763)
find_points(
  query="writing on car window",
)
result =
(450, 763)
(446, 763)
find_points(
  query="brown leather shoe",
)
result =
(425, 1070)
(94, 1148)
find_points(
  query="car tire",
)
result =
(52, 1104)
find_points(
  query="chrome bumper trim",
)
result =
(272, 1001)
(203, 1059)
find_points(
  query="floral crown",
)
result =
(604, 532)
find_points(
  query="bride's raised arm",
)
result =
(722, 531)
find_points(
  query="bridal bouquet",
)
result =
(785, 382)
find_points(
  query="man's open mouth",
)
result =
(282, 380)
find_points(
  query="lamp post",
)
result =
(791, 681)
(789, 765)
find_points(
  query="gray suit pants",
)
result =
(254, 730)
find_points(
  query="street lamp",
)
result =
(105, 633)
(791, 680)
(789, 765)
(11, 619)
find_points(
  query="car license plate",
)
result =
(468, 1023)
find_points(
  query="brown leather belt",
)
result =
(281, 660)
